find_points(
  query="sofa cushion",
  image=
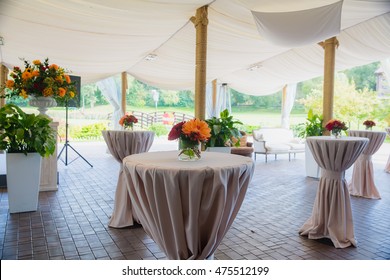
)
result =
(296, 146)
(273, 147)
(243, 141)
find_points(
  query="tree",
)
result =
(350, 105)
(363, 76)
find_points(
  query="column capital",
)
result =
(331, 41)
(201, 17)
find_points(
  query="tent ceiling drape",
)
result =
(98, 38)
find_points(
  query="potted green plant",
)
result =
(222, 130)
(312, 127)
(26, 138)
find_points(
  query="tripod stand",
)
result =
(66, 145)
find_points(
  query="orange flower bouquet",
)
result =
(128, 121)
(190, 134)
(39, 80)
(336, 126)
(369, 124)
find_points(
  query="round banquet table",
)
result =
(362, 182)
(187, 207)
(122, 143)
(387, 167)
(332, 214)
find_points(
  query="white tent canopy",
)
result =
(96, 39)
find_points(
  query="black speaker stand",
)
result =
(66, 145)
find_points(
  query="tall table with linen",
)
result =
(362, 182)
(187, 207)
(122, 143)
(332, 213)
(387, 167)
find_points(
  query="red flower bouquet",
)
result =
(128, 121)
(336, 126)
(190, 134)
(369, 124)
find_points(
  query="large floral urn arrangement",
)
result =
(41, 82)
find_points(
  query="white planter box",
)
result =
(219, 149)
(312, 168)
(23, 178)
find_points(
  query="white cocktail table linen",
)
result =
(187, 207)
(387, 167)
(122, 143)
(362, 183)
(332, 214)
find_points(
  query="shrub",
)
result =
(158, 129)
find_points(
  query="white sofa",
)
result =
(276, 141)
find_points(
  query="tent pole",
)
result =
(200, 22)
(3, 78)
(284, 104)
(124, 88)
(214, 96)
(329, 46)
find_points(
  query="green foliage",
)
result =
(158, 129)
(363, 76)
(312, 127)
(222, 129)
(269, 101)
(91, 131)
(25, 133)
(350, 105)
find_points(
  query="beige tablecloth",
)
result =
(122, 143)
(332, 214)
(362, 182)
(387, 167)
(187, 207)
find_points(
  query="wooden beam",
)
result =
(200, 22)
(3, 78)
(329, 46)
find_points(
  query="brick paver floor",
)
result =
(71, 223)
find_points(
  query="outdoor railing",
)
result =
(167, 118)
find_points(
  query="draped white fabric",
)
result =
(224, 100)
(97, 39)
(386, 67)
(111, 91)
(288, 104)
(299, 28)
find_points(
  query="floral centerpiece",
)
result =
(128, 121)
(40, 79)
(190, 134)
(336, 126)
(369, 124)
(44, 83)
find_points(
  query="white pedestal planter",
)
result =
(23, 178)
(311, 166)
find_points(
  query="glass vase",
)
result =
(189, 150)
(129, 127)
(336, 134)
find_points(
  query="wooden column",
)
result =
(214, 97)
(3, 78)
(124, 89)
(284, 101)
(329, 46)
(200, 22)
